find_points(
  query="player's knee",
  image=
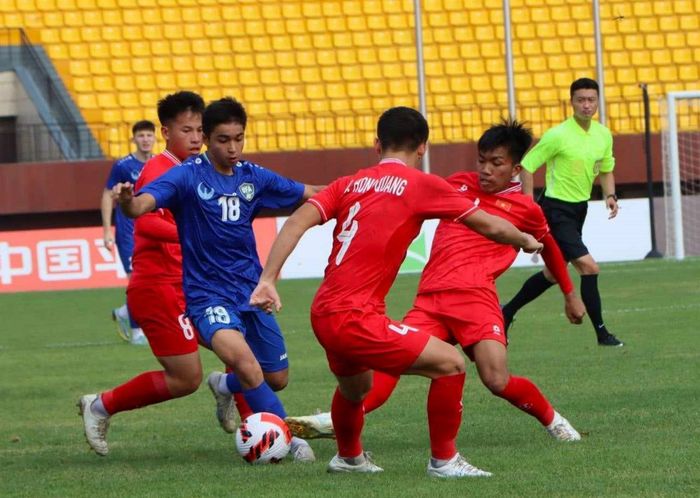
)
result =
(454, 364)
(184, 386)
(495, 381)
(277, 383)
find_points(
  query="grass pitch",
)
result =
(637, 407)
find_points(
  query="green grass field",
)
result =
(638, 407)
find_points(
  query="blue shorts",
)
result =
(125, 246)
(260, 330)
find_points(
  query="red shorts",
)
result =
(356, 341)
(462, 317)
(159, 310)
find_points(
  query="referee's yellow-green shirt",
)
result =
(574, 157)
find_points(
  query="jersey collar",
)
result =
(171, 156)
(388, 160)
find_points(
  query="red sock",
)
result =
(382, 387)
(146, 389)
(348, 419)
(445, 414)
(523, 393)
(244, 409)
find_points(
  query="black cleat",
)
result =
(609, 340)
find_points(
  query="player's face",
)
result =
(585, 103)
(144, 141)
(183, 135)
(225, 144)
(496, 169)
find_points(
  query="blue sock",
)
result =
(263, 399)
(233, 384)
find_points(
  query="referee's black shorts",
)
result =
(565, 221)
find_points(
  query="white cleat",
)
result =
(301, 451)
(123, 325)
(456, 467)
(225, 407)
(312, 426)
(364, 466)
(94, 426)
(561, 429)
(138, 338)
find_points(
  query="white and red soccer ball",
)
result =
(263, 438)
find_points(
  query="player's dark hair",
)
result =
(584, 84)
(170, 106)
(509, 133)
(222, 111)
(143, 125)
(402, 128)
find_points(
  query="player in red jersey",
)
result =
(457, 299)
(379, 212)
(154, 294)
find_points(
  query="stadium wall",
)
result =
(35, 188)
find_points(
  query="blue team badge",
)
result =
(204, 191)
(135, 175)
(247, 190)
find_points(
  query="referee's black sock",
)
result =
(533, 287)
(591, 298)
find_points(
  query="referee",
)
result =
(575, 152)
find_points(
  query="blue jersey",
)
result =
(126, 169)
(214, 215)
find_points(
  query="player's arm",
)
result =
(106, 208)
(553, 258)
(500, 230)
(265, 295)
(534, 159)
(607, 183)
(311, 190)
(156, 227)
(132, 206)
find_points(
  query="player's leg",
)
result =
(266, 341)
(442, 363)
(491, 362)
(348, 417)
(588, 269)
(128, 328)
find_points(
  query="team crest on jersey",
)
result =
(204, 191)
(504, 205)
(247, 190)
(135, 175)
(596, 167)
(463, 188)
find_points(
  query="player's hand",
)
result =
(612, 206)
(531, 245)
(574, 309)
(265, 297)
(123, 193)
(108, 240)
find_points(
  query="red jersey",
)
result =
(379, 211)
(462, 258)
(157, 256)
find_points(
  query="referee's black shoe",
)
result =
(609, 340)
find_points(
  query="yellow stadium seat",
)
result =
(71, 36)
(683, 56)
(388, 55)
(82, 85)
(356, 23)
(661, 57)
(668, 73)
(49, 35)
(159, 47)
(207, 79)
(265, 59)
(625, 75)
(310, 74)
(107, 100)
(132, 33)
(400, 21)
(646, 74)
(484, 33)
(326, 58)
(693, 39)
(186, 80)
(87, 101)
(281, 42)
(662, 8)
(690, 23)
(172, 32)
(128, 99)
(655, 40)
(648, 24)
(79, 51)
(319, 40)
(223, 62)
(124, 83)
(73, 19)
(180, 47)
(634, 42)
(675, 40)
(222, 46)
(228, 78)
(142, 65)
(201, 47)
(112, 17)
(689, 73)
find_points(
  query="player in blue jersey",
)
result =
(214, 198)
(126, 169)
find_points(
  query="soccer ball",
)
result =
(263, 438)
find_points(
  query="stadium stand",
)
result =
(293, 60)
